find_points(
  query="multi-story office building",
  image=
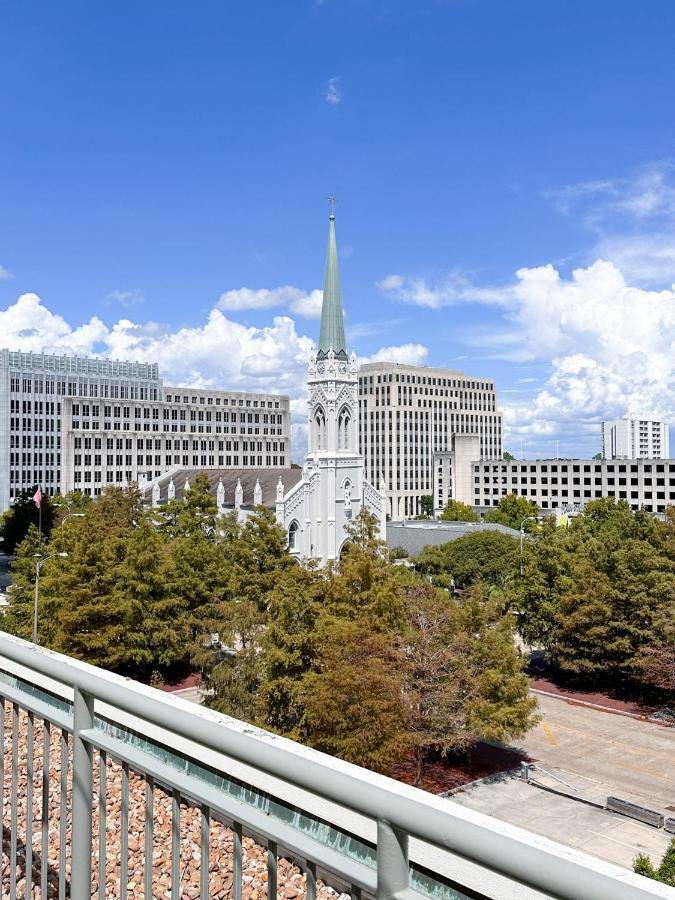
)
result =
(120, 443)
(461, 475)
(635, 438)
(33, 387)
(409, 413)
(80, 423)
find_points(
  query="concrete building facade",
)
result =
(410, 413)
(137, 441)
(69, 422)
(635, 439)
(33, 390)
(551, 483)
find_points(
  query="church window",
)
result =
(319, 442)
(293, 536)
(344, 423)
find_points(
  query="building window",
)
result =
(293, 536)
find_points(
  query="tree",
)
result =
(509, 457)
(251, 579)
(665, 873)
(599, 595)
(366, 585)
(24, 513)
(513, 511)
(289, 649)
(426, 506)
(158, 633)
(464, 678)
(488, 555)
(455, 511)
(93, 618)
(353, 704)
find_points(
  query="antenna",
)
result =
(331, 205)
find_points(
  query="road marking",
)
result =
(615, 840)
(631, 748)
(640, 769)
(550, 737)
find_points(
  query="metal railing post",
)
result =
(393, 870)
(82, 798)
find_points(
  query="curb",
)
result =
(599, 706)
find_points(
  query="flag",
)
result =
(37, 498)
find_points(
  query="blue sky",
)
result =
(158, 158)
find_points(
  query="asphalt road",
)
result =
(597, 754)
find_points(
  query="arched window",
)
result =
(344, 424)
(319, 423)
(293, 536)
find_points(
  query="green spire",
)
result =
(332, 321)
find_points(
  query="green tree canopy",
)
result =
(464, 678)
(599, 596)
(514, 512)
(665, 873)
(455, 511)
(490, 556)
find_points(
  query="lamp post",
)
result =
(72, 516)
(39, 562)
(522, 535)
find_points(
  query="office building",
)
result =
(118, 443)
(33, 387)
(552, 484)
(408, 414)
(75, 422)
(635, 439)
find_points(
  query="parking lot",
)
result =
(588, 754)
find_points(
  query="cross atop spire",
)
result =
(332, 335)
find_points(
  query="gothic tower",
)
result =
(333, 488)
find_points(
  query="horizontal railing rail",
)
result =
(398, 811)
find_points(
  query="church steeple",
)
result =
(332, 333)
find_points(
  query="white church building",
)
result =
(314, 504)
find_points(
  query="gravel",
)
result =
(290, 880)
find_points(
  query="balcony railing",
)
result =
(104, 780)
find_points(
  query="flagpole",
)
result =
(37, 500)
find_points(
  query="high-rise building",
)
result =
(635, 439)
(409, 413)
(33, 387)
(75, 422)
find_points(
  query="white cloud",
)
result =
(126, 298)
(613, 349)
(610, 344)
(645, 194)
(407, 354)
(631, 218)
(302, 303)
(646, 258)
(454, 288)
(308, 305)
(5, 274)
(333, 92)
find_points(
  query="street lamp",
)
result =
(522, 535)
(39, 562)
(72, 515)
